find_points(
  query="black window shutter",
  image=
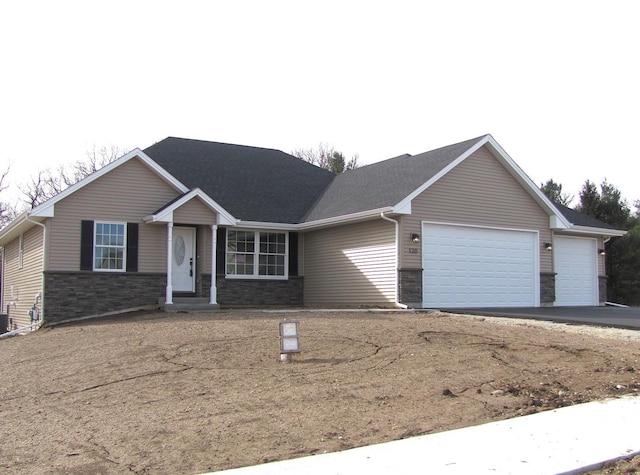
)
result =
(132, 247)
(86, 245)
(293, 254)
(221, 248)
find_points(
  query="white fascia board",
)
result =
(270, 226)
(362, 215)
(166, 214)
(555, 223)
(406, 202)
(591, 230)
(164, 217)
(46, 209)
(320, 223)
(403, 208)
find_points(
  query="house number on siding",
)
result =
(413, 250)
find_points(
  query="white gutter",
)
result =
(259, 225)
(576, 229)
(361, 215)
(397, 225)
(319, 223)
(44, 256)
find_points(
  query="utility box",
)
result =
(4, 323)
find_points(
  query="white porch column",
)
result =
(168, 299)
(213, 299)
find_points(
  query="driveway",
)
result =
(617, 317)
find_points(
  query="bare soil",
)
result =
(192, 393)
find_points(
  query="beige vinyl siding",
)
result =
(354, 264)
(127, 193)
(194, 212)
(601, 259)
(21, 285)
(203, 243)
(479, 191)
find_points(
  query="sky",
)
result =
(556, 83)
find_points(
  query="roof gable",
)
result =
(165, 214)
(47, 209)
(387, 183)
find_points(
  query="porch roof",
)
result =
(165, 213)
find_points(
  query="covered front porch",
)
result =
(191, 222)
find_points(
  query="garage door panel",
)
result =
(576, 268)
(474, 267)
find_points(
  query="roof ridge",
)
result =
(172, 137)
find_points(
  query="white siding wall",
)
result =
(353, 265)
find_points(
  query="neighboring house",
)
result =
(460, 226)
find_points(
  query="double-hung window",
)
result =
(109, 246)
(257, 254)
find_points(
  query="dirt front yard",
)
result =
(191, 393)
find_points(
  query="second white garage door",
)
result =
(576, 266)
(466, 266)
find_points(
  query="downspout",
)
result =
(44, 259)
(397, 225)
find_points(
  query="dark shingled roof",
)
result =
(580, 219)
(251, 183)
(266, 185)
(384, 183)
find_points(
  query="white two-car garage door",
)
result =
(466, 266)
(575, 263)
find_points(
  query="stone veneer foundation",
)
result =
(69, 295)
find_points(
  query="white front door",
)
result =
(183, 269)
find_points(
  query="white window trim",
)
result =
(124, 247)
(256, 254)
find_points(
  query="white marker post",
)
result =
(289, 340)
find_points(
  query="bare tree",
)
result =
(8, 210)
(47, 183)
(327, 157)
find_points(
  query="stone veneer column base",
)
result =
(602, 288)
(410, 287)
(547, 289)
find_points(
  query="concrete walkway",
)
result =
(562, 441)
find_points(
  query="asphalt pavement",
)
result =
(606, 316)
